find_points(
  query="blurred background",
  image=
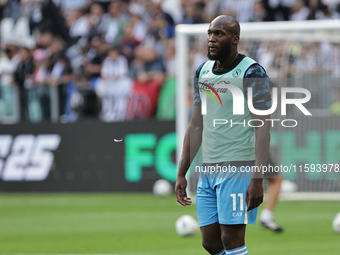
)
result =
(88, 104)
(114, 61)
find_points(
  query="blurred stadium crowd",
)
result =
(115, 60)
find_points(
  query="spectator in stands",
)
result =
(56, 70)
(114, 86)
(67, 90)
(24, 79)
(39, 92)
(45, 16)
(154, 40)
(299, 11)
(326, 60)
(305, 62)
(335, 60)
(8, 64)
(104, 3)
(2, 7)
(51, 48)
(161, 21)
(150, 75)
(54, 22)
(68, 6)
(57, 46)
(143, 32)
(277, 9)
(230, 8)
(32, 10)
(192, 13)
(170, 63)
(241, 10)
(259, 12)
(94, 58)
(197, 56)
(144, 9)
(12, 10)
(41, 63)
(114, 23)
(313, 6)
(128, 43)
(44, 40)
(211, 10)
(326, 13)
(139, 27)
(268, 53)
(160, 29)
(80, 27)
(96, 16)
(25, 68)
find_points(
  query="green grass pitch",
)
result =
(143, 224)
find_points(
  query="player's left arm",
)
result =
(257, 79)
(254, 196)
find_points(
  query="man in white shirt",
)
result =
(114, 86)
(8, 64)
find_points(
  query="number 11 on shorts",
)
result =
(240, 195)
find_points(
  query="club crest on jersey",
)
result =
(236, 73)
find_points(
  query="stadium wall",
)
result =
(86, 156)
(130, 156)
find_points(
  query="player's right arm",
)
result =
(191, 144)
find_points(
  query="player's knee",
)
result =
(227, 243)
(213, 247)
(232, 243)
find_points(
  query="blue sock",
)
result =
(237, 251)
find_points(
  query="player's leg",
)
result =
(272, 193)
(206, 204)
(233, 238)
(211, 239)
(232, 212)
(272, 196)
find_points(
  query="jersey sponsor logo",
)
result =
(208, 92)
(206, 71)
(209, 87)
(27, 157)
(236, 73)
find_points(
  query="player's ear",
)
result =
(236, 38)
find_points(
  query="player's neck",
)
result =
(228, 61)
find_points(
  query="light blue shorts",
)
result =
(221, 197)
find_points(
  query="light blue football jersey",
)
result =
(234, 140)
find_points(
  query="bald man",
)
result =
(229, 190)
